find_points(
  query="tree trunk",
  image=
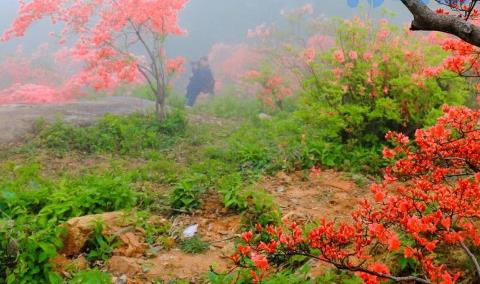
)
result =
(160, 109)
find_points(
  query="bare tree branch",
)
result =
(472, 257)
(424, 19)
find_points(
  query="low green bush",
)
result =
(32, 210)
(132, 134)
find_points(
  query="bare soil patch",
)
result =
(328, 195)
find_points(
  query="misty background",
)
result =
(213, 21)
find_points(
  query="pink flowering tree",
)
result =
(117, 41)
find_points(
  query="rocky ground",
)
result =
(17, 120)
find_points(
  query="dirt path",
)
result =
(329, 194)
(16, 121)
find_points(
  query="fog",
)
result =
(212, 21)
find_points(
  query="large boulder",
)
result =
(80, 229)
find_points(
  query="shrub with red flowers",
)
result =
(427, 205)
(378, 78)
(270, 89)
(463, 57)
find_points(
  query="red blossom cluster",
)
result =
(271, 89)
(429, 201)
(465, 9)
(464, 57)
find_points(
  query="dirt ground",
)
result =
(329, 195)
(17, 120)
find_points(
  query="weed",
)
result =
(229, 186)
(92, 276)
(100, 247)
(194, 245)
(261, 208)
(154, 226)
(186, 195)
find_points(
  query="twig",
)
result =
(223, 240)
(472, 257)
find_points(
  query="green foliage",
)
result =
(262, 209)
(288, 143)
(32, 210)
(229, 186)
(160, 170)
(23, 189)
(194, 245)
(230, 106)
(100, 247)
(154, 228)
(338, 276)
(26, 246)
(186, 195)
(93, 276)
(91, 194)
(131, 134)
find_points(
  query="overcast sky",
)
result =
(212, 21)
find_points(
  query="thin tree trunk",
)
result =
(160, 109)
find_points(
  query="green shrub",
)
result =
(262, 208)
(89, 194)
(186, 195)
(100, 247)
(229, 187)
(356, 101)
(32, 210)
(23, 190)
(132, 134)
(299, 276)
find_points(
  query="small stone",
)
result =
(264, 116)
(190, 231)
(122, 279)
